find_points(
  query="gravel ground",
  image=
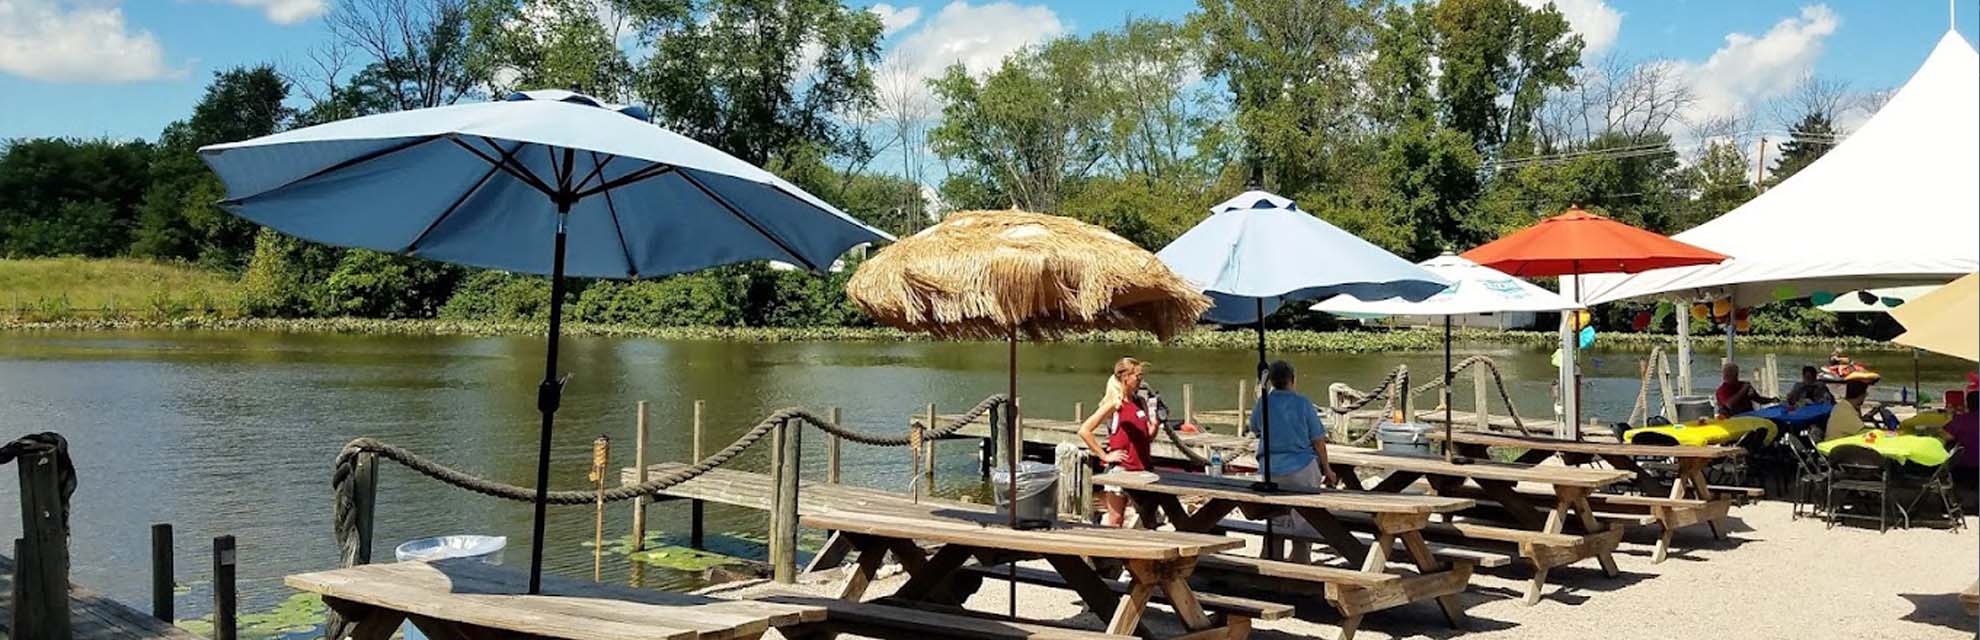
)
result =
(1774, 577)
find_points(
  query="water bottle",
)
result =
(1216, 464)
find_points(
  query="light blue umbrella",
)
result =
(1258, 251)
(545, 182)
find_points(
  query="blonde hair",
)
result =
(1122, 367)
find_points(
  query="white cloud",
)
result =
(978, 36)
(1595, 20)
(1749, 69)
(83, 42)
(285, 11)
(892, 19)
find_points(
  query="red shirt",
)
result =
(1133, 433)
(1735, 397)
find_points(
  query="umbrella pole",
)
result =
(1447, 389)
(549, 394)
(1264, 412)
(1010, 460)
(1573, 367)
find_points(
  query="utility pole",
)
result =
(1760, 165)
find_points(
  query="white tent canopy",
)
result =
(1852, 301)
(1893, 205)
(1475, 288)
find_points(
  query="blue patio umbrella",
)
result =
(544, 182)
(1259, 251)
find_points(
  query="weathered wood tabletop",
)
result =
(1155, 561)
(1398, 518)
(460, 599)
(1513, 511)
(1690, 501)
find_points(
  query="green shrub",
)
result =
(370, 284)
(499, 296)
(706, 299)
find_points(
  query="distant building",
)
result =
(1506, 320)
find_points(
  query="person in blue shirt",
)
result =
(1299, 439)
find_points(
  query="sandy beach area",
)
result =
(1774, 577)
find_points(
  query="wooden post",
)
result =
(784, 521)
(1241, 417)
(365, 501)
(1481, 398)
(1664, 384)
(927, 469)
(601, 455)
(224, 624)
(916, 431)
(989, 454)
(695, 511)
(1189, 404)
(1074, 479)
(1684, 350)
(697, 433)
(639, 477)
(832, 452)
(42, 570)
(1773, 370)
(162, 578)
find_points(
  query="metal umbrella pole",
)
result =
(1447, 389)
(1264, 482)
(550, 393)
(1010, 461)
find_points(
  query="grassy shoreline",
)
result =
(1295, 341)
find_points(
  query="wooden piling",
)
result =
(927, 456)
(784, 520)
(162, 579)
(224, 598)
(832, 452)
(696, 508)
(1481, 397)
(1773, 373)
(916, 432)
(639, 466)
(696, 450)
(1241, 416)
(364, 500)
(1189, 404)
(42, 571)
(601, 455)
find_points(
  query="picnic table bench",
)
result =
(465, 599)
(1368, 584)
(1691, 499)
(1506, 518)
(1155, 561)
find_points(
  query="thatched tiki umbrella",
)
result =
(1001, 274)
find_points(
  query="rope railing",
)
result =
(1387, 391)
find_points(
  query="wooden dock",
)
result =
(92, 615)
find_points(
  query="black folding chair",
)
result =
(1938, 486)
(1811, 478)
(1861, 471)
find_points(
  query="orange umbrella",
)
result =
(1578, 243)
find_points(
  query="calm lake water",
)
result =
(234, 432)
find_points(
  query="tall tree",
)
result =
(561, 44)
(1808, 141)
(1498, 61)
(70, 197)
(756, 78)
(412, 52)
(1720, 181)
(179, 218)
(1025, 132)
(1292, 69)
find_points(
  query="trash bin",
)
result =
(1037, 490)
(1404, 438)
(1690, 408)
(487, 549)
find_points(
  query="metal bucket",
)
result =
(1037, 493)
(1690, 408)
(1404, 438)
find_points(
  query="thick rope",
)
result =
(1497, 380)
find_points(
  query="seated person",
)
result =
(1299, 448)
(1964, 431)
(1847, 418)
(1808, 391)
(1736, 396)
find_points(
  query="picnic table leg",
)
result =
(1206, 517)
(1409, 529)
(367, 622)
(1337, 536)
(872, 552)
(1555, 519)
(833, 555)
(1645, 484)
(1172, 577)
(1083, 580)
(930, 580)
(1127, 614)
(1692, 471)
(1586, 514)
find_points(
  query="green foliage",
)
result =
(555, 44)
(500, 296)
(735, 75)
(703, 299)
(179, 218)
(1719, 183)
(63, 288)
(1027, 130)
(70, 197)
(1296, 104)
(1498, 61)
(1807, 141)
(370, 284)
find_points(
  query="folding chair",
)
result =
(1860, 470)
(1811, 477)
(1939, 485)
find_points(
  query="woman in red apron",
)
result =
(1134, 430)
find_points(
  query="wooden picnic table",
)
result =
(1354, 592)
(463, 599)
(1155, 561)
(1499, 482)
(1691, 500)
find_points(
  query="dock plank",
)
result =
(92, 615)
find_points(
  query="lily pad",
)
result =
(683, 558)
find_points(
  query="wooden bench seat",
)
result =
(1542, 551)
(1352, 592)
(1445, 551)
(1213, 603)
(1674, 513)
(889, 622)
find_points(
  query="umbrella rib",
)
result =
(504, 164)
(650, 171)
(492, 170)
(597, 168)
(746, 220)
(632, 268)
(334, 168)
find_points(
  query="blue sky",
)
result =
(126, 68)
